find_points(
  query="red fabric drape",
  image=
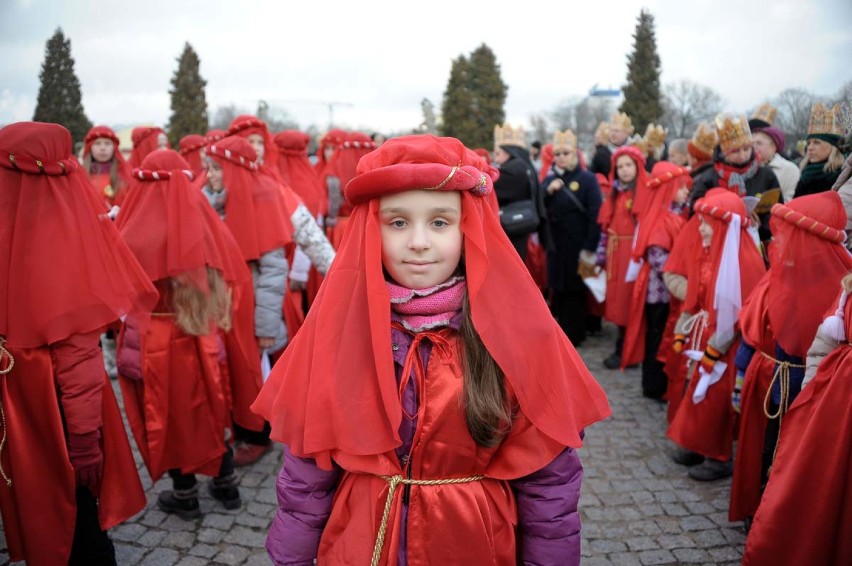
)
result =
(190, 149)
(144, 142)
(297, 172)
(65, 268)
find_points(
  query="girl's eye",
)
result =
(440, 223)
(398, 223)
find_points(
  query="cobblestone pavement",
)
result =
(638, 507)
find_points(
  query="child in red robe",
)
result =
(418, 419)
(721, 274)
(65, 273)
(105, 166)
(175, 396)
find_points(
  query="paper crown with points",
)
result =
(602, 133)
(507, 135)
(832, 121)
(640, 143)
(764, 115)
(656, 135)
(705, 139)
(623, 121)
(733, 131)
(563, 139)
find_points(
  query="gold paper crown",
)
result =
(602, 132)
(623, 120)
(733, 131)
(765, 112)
(831, 121)
(705, 138)
(641, 143)
(656, 135)
(563, 139)
(507, 135)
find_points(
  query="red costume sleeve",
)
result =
(80, 376)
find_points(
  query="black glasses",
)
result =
(565, 153)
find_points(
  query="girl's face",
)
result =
(103, 150)
(256, 141)
(327, 152)
(565, 157)
(706, 231)
(501, 156)
(162, 141)
(214, 176)
(818, 150)
(421, 236)
(625, 169)
(681, 195)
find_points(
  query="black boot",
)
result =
(224, 486)
(183, 499)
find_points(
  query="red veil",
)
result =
(190, 149)
(334, 391)
(123, 169)
(297, 172)
(144, 142)
(65, 269)
(246, 125)
(808, 258)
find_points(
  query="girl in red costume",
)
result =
(617, 218)
(257, 133)
(68, 473)
(339, 172)
(720, 275)
(418, 429)
(145, 140)
(168, 359)
(659, 224)
(103, 162)
(803, 516)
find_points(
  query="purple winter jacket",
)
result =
(548, 518)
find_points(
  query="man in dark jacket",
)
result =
(736, 168)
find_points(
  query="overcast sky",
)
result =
(378, 60)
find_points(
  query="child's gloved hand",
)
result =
(679, 342)
(736, 395)
(709, 359)
(87, 458)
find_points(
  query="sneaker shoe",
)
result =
(613, 361)
(246, 454)
(711, 470)
(686, 457)
(186, 509)
(229, 496)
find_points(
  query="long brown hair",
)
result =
(487, 410)
(114, 180)
(196, 309)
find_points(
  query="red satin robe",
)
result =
(468, 523)
(39, 508)
(618, 249)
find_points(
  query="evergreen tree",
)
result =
(474, 98)
(59, 97)
(642, 97)
(189, 103)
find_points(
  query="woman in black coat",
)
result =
(518, 181)
(572, 201)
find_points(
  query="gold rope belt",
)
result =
(393, 483)
(782, 376)
(10, 363)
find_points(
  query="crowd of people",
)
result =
(402, 315)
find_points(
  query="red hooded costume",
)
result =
(718, 277)
(65, 272)
(109, 189)
(806, 509)
(617, 220)
(144, 142)
(190, 149)
(343, 166)
(658, 226)
(333, 395)
(297, 172)
(246, 125)
(178, 423)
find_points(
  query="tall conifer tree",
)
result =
(189, 103)
(642, 97)
(474, 99)
(59, 97)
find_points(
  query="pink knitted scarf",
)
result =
(427, 309)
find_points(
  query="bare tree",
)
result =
(224, 115)
(277, 119)
(563, 116)
(686, 104)
(794, 113)
(540, 131)
(844, 94)
(429, 125)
